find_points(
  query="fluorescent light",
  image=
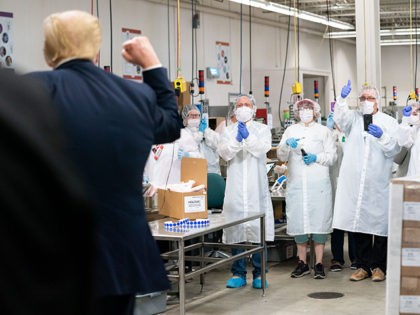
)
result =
(383, 33)
(399, 42)
(304, 15)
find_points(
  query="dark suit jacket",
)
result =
(46, 226)
(112, 123)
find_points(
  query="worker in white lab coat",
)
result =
(244, 146)
(361, 201)
(409, 135)
(198, 140)
(310, 150)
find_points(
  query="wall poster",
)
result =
(130, 71)
(223, 62)
(6, 40)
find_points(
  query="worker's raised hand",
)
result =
(203, 125)
(292, 142)
(330, 121)
(243, 130)
(345, 91)
(407, 111)
(375, 130)
(139, 51)
(182, 154)
(309, 158)
(239, 137)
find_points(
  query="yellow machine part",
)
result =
(297, 88)
(181, 84)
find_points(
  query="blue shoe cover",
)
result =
(257, 284)
(235, 282)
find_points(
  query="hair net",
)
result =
(185, 111)
(371, 90)
(309, 103)
(413, 103)
(249, 96)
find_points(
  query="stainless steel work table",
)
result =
(217, 222)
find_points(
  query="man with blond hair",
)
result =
(111, 124)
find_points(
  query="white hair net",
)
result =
(307, 103)
(249, 96)
(186, 110)
(367, 89)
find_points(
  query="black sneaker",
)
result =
(319, 271)
(354, 266)
(336, 266)
(301, 270)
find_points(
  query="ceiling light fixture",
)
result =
(304, 15)
(398, 42)
(383, 33)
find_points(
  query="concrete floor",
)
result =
(285, 295)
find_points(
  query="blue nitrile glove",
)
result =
(239, 136)
(345, 91)
(203, 125)
(182, 154)
(375, 130)
(309, 158)
(292, 142)
(407, 111)
(330, 121)
(243, 130)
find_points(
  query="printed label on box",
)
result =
(411, 211)
(410, 257)
(194, 204)
(410, 304)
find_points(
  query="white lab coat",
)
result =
(339, 139)
(247, 182)
(163, 166)
(308, 193)
(190, 142)
(208, 147)
(361, 201)
(409, 137)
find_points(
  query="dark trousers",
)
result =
(371, 251)
(115, 305)
(337, 244)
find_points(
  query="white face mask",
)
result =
(306, 115)
(367, 107)
(244, 113)
(193, 123)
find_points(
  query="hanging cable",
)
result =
(298, 42)
(110, 37)
(250, 52)
(364, 36)
(192, 41)
(91, 6)
(240, 52)
(169, 40)
(195, 42)
(192, 53)
(178, 47)
(97, 15)
(295, 37)
(285, 59)
(330, 43)
(415, 66)
(411, 46)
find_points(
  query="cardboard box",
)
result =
(403, 276)
(192, 205)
